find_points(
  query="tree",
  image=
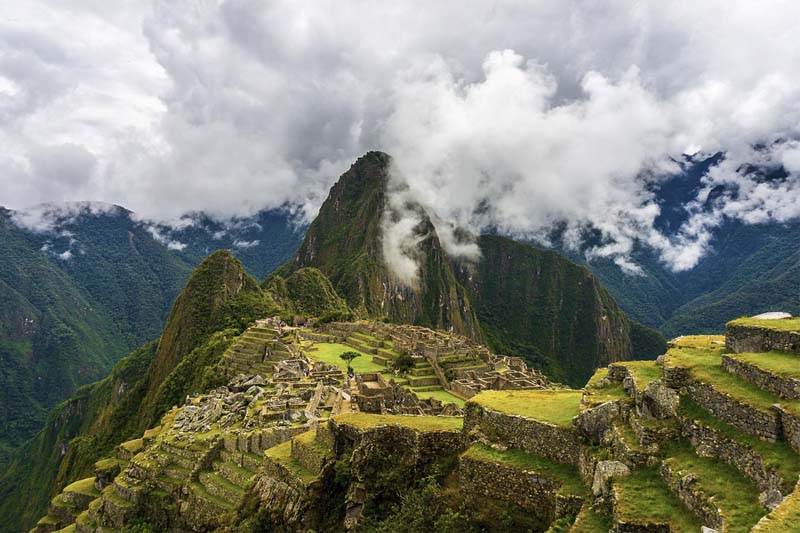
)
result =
(348, 358)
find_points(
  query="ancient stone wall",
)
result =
(711, 443)
(529, 490)
(791, 428)
(560, 444)
(766, 425)
(685, 487)
(740, 339)
(787, 388)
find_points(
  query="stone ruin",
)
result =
(376, 395)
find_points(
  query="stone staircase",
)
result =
(255, 352)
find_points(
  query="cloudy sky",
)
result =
(510, 115)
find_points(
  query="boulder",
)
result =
(603, 473)
(659, 401)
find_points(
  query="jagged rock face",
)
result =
(345, 243)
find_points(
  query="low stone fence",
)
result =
(685, 487)
(529, 490)
(557, 443)
(759, 339)
(787, 388)
(710, 443)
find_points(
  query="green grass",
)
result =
(783, 364)
(554, 406)
(785, 518)
(643, 372)
(567, 474)
(309, 438)
(703, 358)
(643, 497)
(282, 453)
(590, 521)
(441, 395)
(419, 423)
(83, 486)
(596, 395)
(777, 456)
(329, 352)
(781, 324)
(734, 494)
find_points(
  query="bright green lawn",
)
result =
(329, 352)
(420, 423)
(781, 324)
(554, 406)
(567, 474)
(781, 363)
(735, 494)
(703, 358)
(643, 372)
(645, 498)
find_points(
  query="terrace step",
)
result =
(422, 381)
(220, 487)
(233, 472)
(770, 465)
(217, 504)
(246, 460)
(716, 492)
(313, 454)
(774, 372)
(642, 501)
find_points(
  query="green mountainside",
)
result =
(535, 303)
(53, 336)
(92, 285)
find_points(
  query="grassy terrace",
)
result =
(557, 407)
(83, 486)
(781, 324)
(567, 474)
(777, 456)
(418, 423)
(703, 358)
(783, 364)
(785, 518)
(282, 453)
(596, 395)
(643, 372)
(329, 352)
(643, 497)
(441, 395)
(734, 494)
(590, 521)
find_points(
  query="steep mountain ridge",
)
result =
(344, 242)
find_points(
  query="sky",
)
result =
(511, 115)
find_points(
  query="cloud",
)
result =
(512, 116)
(246, 244)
